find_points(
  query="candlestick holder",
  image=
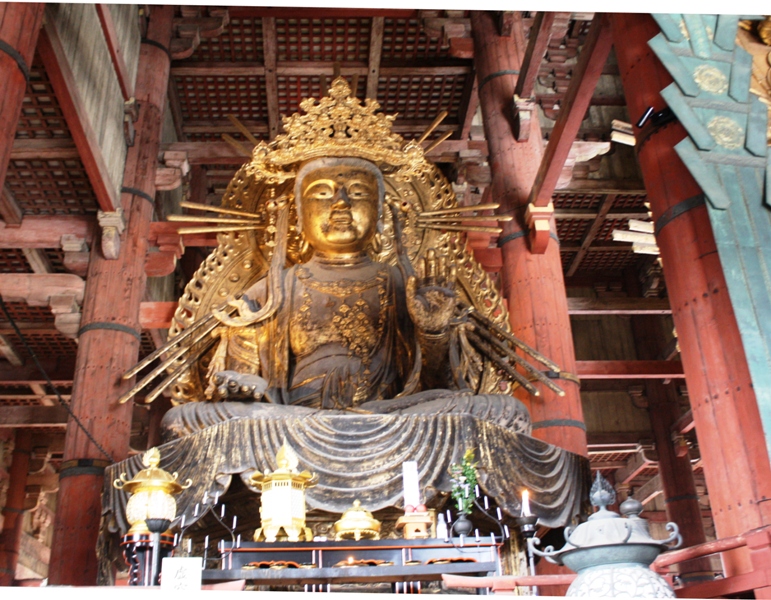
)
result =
(527, 525)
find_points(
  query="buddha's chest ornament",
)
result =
(348, 312)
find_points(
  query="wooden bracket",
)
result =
(113, 225)
(170, 250)
(76, 255)
(538, 219)
(175, 166)
(66, 313)
(524, 109)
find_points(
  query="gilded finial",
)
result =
(151, 458)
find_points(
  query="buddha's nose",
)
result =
(342, 201)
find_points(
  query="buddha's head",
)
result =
(339, 203)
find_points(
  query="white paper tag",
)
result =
(181, 573)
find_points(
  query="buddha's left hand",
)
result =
(431, 300)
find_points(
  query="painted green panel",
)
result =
(741, 71)
(703, 173)
(701, 44)
(670, 26)
(682, 76)
(725, 31)
(688, 118)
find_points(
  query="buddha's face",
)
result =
(339, 208)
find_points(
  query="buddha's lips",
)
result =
(341, 217)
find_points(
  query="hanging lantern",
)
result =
(152, 493)
(282, 510)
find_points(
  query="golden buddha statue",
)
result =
(343, 313)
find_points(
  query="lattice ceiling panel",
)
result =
(626, 201)
(22, 312)
(41, 115)
(572, 230)
(241, 41)
(51, 187)
(607, 261)
(56, 258)
(341, 40)
(216, 97)
(403, 39)
(605, 234)
(13, 261)
(567, 259)
(48, 344)
(18, 401)
(421, 96)
(577, 201)
(146, 344)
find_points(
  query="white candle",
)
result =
(205, 497)
(216, 498)
(222, 512)
(182, 524)
(487, 505)
(195, 511)
(500, 516)
(526, 504)
(476, 490)
(476, 534)
(506, 531)
(235, 520)
(449, 517)
(492, 538)
(189, 545)
(206, 542)
(238, 541)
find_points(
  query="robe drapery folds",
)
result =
(360, 457)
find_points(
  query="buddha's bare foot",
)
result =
(232, 385)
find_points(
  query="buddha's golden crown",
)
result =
(338, 125)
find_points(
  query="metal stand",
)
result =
(527, 528)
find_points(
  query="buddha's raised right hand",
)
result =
(232, 385)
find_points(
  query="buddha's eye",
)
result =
(320, 191)
(358, 191)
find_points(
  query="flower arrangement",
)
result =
(464, 480)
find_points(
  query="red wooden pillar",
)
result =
(13, 513)
(532, 283)
(19, 28)
(725, 411)
(110, 332)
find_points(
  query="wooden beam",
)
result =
(540, 35)
(636, 464)
(10, 211)
(585, 77)
(619, 306)
(469, 107)
(375, 51)
(47, 416)
(176, 110)
(38, 260)
(44, 149)
(633, 187)
(629, 369)
(604, 248)
(156, 315)
(218, 126)
(167, 228)
(46, 231)
(315, 69)
(649, 490)
(60, 370)
(62, 78)
(116, 53)
(588, 214)
(289, 12)
(37, 290)
(591, 233)
(222, 153)
(9, 352)
(270, 51)
(684, 424)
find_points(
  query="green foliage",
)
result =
(464, 479)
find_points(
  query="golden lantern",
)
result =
(283, 499)
(152, 493)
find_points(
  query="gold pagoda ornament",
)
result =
(282, 510)
(152, 493)
(357, 523)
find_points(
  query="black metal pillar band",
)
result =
(112, 326)
(17, 57)
(681, 497)
(83, 466)
(140, 193)
(678, 209)
(497, 74)
(510, 237)
(150, 42)
(560, 423)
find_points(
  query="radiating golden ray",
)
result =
(243, 129)
(200, 219)
(434, 124)
(478, 228)
(476, 218)
(218, 209)
(459, 209)
(191, 230)
(236, 144)
(438, 141)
